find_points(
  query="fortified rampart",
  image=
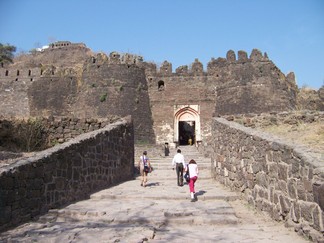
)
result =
(282, 179)
(67, 79)
(229, 86)
(93, 87)
(66, 173)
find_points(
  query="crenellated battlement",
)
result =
(68, 78)
(115, 58)
(196, 68)
(60, 44)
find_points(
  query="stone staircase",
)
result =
(160, 212)
(189, 152)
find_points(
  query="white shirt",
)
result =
(193, 170)
(144, 160)
(178, 158)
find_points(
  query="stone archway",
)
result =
(186, 124)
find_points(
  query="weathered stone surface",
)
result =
(230, 56)
(319, 195)
(289, 187)
(66, 172)
(242, 56)
(318, 219)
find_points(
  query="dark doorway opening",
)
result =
(186, 132)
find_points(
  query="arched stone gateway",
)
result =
(186, 124)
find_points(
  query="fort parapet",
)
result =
(280, 178)
(66, 173)
(69, 79)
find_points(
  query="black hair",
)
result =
(178, 151)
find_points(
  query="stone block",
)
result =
(256, 167)
(283, 171)
(318, 192)
(267, 206)
(276, 156)
(60, 183)
(306, 211)
(269, 156)
(231, 176)
(275, 214)
(271, 194)
(242, 56)
(6, 182)
(5, 214)
(294, 170)
(309, 197)
(282, 186)
(250, 184)
(296, 212)
(262, 180)
(230, 56)
(273, 170)
(301, 193)
(318, 219)
(292, 188)
(285, 205)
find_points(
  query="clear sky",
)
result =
(290, 31)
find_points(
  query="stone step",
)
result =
(110, 210)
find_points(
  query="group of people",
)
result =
(178, 163)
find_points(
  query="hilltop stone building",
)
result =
(68, 79)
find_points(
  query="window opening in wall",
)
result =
(187, 132)
(161, 85)
(7, 73)
(17, 72)
(29, 72)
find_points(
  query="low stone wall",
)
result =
(282, 179)
(39, 133)
(67, 172)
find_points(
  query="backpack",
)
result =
(146, 167)
(186, 176)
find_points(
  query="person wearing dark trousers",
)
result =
(178, 163)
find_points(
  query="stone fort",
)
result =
(68, 79)
(157, 106)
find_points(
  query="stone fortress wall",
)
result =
(89, 86)
(66, 173)
(275, 176)
(227, 87)
(68, 79)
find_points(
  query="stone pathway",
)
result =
(160, 212)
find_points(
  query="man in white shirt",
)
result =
(178, 162)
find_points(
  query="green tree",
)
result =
(6, 53)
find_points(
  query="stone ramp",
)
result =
(160, 212)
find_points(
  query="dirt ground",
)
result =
(310, 135)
